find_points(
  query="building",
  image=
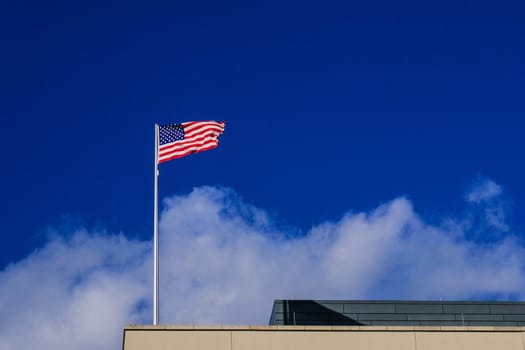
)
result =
(367, 325)
(397, 313)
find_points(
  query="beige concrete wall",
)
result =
(315, 338)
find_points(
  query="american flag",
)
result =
(179, 140)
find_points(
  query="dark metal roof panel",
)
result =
(391, 312)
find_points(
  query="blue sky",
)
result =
(328, 108)
(332, 110)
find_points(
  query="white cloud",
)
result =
(487, 196)
(222, 261)
(74, 293)
(482, 190)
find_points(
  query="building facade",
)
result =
(366, 325)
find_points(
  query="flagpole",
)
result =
(156, 233)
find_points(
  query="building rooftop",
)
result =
(397, 313)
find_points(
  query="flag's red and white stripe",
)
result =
(198, 136)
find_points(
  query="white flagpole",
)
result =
(156, 233)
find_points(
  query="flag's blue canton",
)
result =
(170, 133)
